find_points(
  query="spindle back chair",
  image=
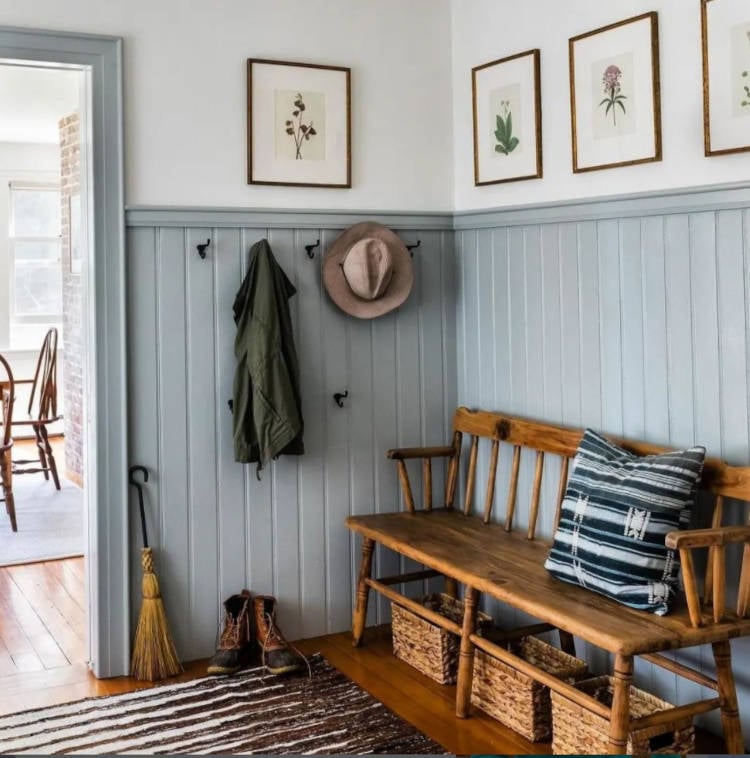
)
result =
(7, 398)
(42, 411)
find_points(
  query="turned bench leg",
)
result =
(466, 654)
(359, 618)
(620, 720)
(730, 718)
(451, 587)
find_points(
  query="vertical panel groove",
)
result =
(188, 441)
(159, 426)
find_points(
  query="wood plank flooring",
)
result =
(42, 652)
(42, 616)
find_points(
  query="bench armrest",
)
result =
(692, 538)
(406, 453)
(403, 454)
(715, 581)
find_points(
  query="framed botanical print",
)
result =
(726, 76)
(614, 95)
(507, 106)
(298, 124)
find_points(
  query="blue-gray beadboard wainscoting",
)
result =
(629, 316)
(215, 527)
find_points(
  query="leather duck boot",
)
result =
(279, 657)
(236, 644)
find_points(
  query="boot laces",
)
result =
(273, 634)
(231, 629)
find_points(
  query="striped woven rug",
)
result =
(246, 713)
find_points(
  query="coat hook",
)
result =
(412, 248)
(339, 398)
(310, 248)
(202, 249)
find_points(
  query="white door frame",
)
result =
(107, 564)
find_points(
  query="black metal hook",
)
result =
(309, 249)
(412, 248)
(139, 487)
(339, 398)
(202, 249)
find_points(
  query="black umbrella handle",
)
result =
(131, 478)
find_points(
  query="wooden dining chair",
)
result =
(42, 411)
(7, 397)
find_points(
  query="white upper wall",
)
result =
(185, 93)
(411, 117)
(485, 30)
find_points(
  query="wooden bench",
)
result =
(507, 563)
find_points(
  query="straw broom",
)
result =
(154, 654)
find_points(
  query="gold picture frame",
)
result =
(298, 124)
(725, 24)
(607, 63)
(499, 89)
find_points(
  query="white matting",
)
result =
(50, 523)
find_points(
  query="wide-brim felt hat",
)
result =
(367, 271)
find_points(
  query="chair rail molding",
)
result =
(107, 564)
(657, 203)
(282, 218)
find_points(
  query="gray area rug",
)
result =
(247, 713)
(50, 523)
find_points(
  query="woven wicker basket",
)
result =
(426, 646)
(515, 699)
(577, 730)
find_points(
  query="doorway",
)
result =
(44, 190)
(91, 248)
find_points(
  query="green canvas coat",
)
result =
(267, 406)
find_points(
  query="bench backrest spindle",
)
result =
(536, 491)
(427, 483)
(490, 496)
(471, 476)
(716, 521)
(403, 476)
(451, 479)
(510, 507)
(564, 465)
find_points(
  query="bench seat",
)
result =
(509, 567)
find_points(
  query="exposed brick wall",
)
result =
(72, 329)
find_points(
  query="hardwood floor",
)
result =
(42, 662)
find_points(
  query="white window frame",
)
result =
(51, 319)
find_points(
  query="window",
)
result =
(35, 259)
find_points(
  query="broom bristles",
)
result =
(154, 654)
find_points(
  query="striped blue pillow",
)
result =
(617, 510)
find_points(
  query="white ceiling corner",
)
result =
(33, 100)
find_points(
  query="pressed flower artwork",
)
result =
(505, 122)
(507, 119)
(725, 27)
(615, 109)
(613, 85)
(300, 125)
